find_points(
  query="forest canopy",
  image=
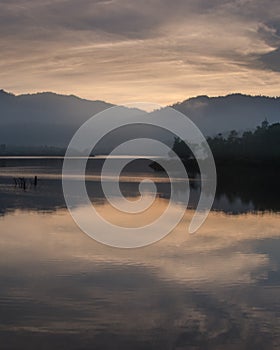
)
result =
(258, 146)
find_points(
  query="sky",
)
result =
(159, 51)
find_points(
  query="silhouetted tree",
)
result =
(259, 146)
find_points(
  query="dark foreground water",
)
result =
(216, 289)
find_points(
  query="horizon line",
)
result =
(3, 90)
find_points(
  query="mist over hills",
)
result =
(43, 118)
(33, 120)
(222, 114)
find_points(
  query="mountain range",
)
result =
(33, 120)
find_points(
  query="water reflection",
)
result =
(217, 289)
(238, 191)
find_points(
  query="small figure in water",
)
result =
(35, 181)
(15, 181)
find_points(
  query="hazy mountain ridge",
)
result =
(225, 113)
(52, 119)
(43, 118)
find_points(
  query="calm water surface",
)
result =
(216, 289)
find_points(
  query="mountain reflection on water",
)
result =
(216, 289)
(238, 191)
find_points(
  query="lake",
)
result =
(216, 289)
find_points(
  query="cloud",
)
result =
(271, 60)
(123, 50)
(271, 34)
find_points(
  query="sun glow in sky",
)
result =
(128, 50)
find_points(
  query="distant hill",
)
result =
(225, 113)
(43, 118)
(49, 119)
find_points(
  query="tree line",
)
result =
(251, 147)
